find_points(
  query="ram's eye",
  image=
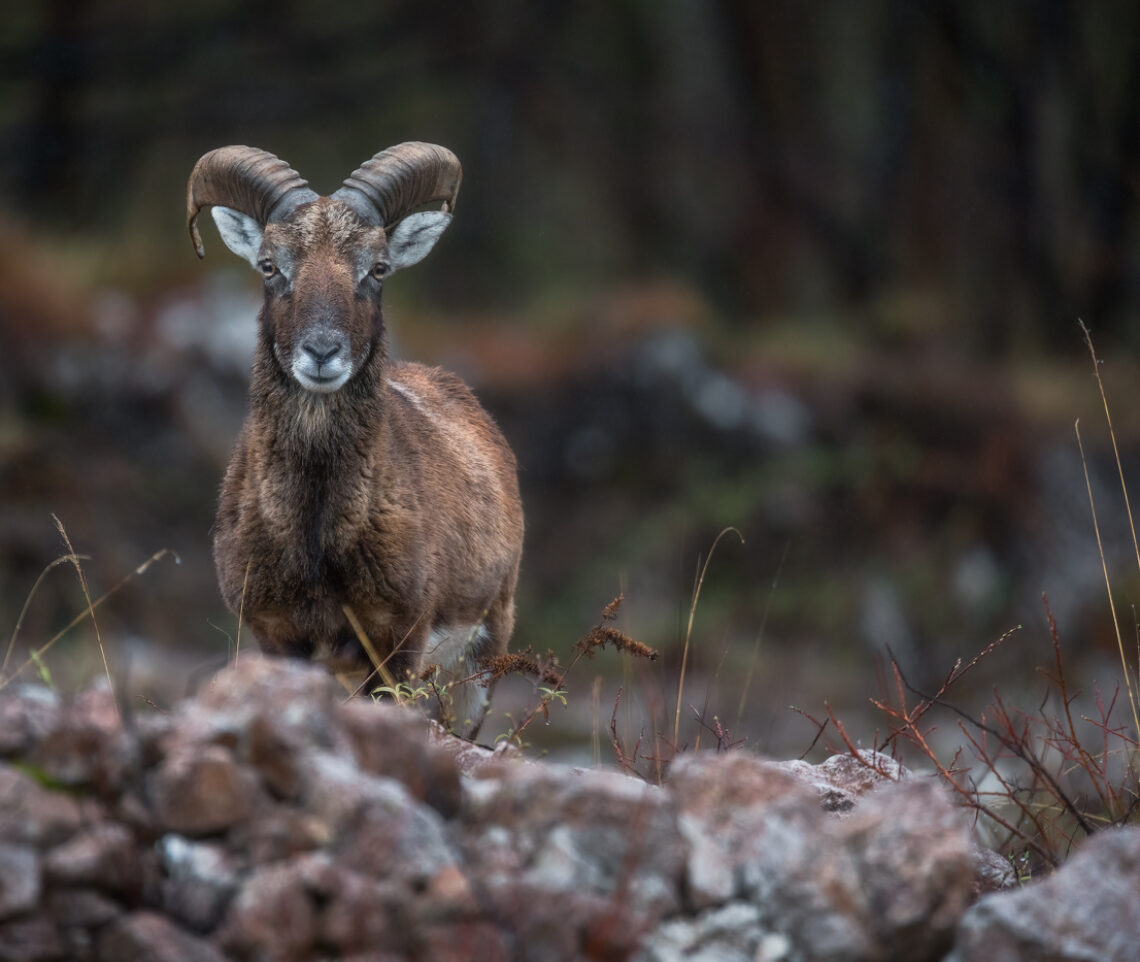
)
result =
(378, 272)
(267, 267)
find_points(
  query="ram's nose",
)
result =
(322, 346)
(322, 361)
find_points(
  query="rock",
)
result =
(393, 742)
(27, 714)
(1085, 912)
(87, 745)
(594, 857)
(148, 937)
(374, 823)
(20, 880)
(730, 933)
(888, 881)
(361, 912)
(992, 872)
(33, 814)
(198, 880)
(31, 938)
(266, 819)
(273, 917)
(738, 811)
(841, 779)
(103, 855)
(81, 909)
(898, 870)
(200, 791)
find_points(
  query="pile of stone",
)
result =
(267, 819)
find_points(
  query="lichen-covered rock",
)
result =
(595, 858)
(841, 779)
(733, 932)
(268, 819)
(888, 881)
(1086, 912)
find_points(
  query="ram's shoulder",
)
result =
(431, 386)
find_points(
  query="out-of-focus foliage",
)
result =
(808, 269)
(782, 155)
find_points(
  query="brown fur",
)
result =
(395, 495)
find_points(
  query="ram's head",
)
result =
(324, 259)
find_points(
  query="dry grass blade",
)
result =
(689, 630)
(241, 607)
(62, 559)
(74, 559)
(89, 611)
(1131, 524)
(379, 666)
(1108, 582)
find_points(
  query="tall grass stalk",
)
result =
(689, 630)
(89, 611)
(1128, 674)
(74, 559)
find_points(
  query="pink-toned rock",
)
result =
(31, 938)
(273, 918)
(104, 855)
(83, 910)
(87, 745)
(992, 872)
(276, 754)
(594, 857)
(280, 832)
(886, 882)
(202, 792)
(394, 742)
(841, 779)
(149, 937)
(736, 809)
(361, 912)
(33, 814)
(1085, 912)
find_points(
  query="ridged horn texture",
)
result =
(252, 181)
(398, 180)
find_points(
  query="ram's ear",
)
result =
(241, 233)
(414, 237)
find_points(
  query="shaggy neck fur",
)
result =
(323, 453)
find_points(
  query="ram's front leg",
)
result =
(452, 661)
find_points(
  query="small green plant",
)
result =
(404, 692)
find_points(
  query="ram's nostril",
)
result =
(321, 347)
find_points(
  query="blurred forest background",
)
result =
(811, 270)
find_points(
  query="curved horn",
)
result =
(247, 179)
(398, 180)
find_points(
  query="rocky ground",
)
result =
(268, 819)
